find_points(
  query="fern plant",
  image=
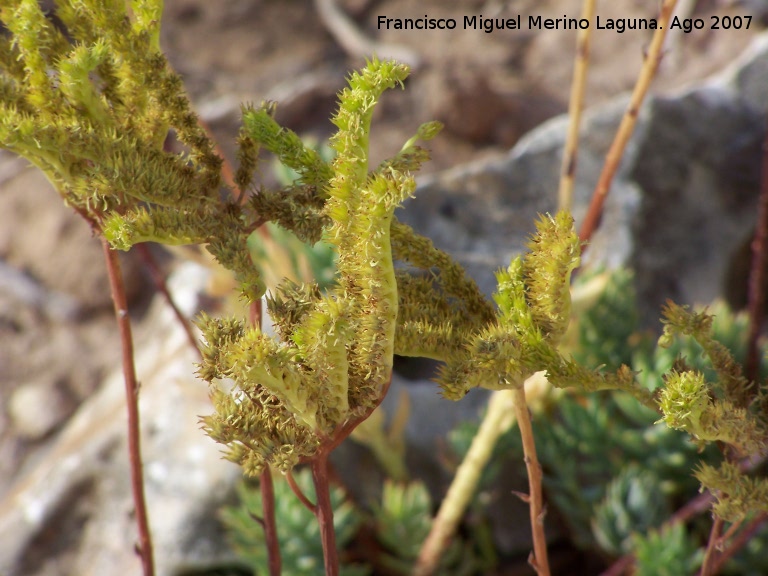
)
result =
(90, 99)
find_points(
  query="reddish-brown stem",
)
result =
(757, 273)
(324, 513)
(621, 566)
(144, 547)
(733, 528)
(299, 493)
(269, 522)
(342, 432)
(696, 506)
(322, 509)
(255, 313)
(712, 553)
(158, 278)
(739, 541)
(540, 559)
(616, 151)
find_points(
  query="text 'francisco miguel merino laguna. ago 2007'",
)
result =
(489, 25)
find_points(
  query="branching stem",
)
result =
(540, 560)
(616, 151)
(739, 541)
(693, 508)
(144, 547)
(267, 487)
(299, 492)
(712, 553)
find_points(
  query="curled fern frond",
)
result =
(554, 254)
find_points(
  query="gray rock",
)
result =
(484, 212)
(698, 168)
(682, 204)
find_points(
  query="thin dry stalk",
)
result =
(539, 561)
(575, 106)
(612, 159)
(270, 523)
(685, 9)
(498, 419)
(355, 42)
(117, 287)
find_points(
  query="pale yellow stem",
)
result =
(575, 105)
(499, 417)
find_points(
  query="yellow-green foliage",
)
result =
(89, 98)
(687, 405)
(724, 410)
(91, 101)
(534, 311)
(93, 107)
(94, 114)
(737, 494)
(334, 360)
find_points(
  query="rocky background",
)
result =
(681, 213)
